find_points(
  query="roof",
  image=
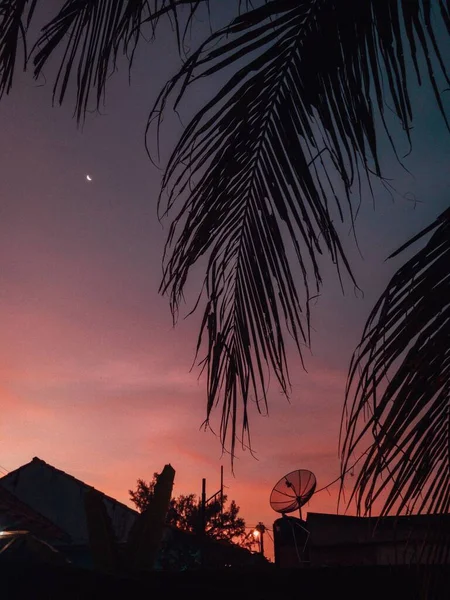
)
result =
(37, 460)
(59, 497)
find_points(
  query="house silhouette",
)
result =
(59, 498)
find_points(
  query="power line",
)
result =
(350, 468)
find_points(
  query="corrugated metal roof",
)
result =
(59, 497)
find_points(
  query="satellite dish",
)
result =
(293, 491)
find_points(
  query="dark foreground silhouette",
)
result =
(32, 581)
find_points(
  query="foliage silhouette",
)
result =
(184, 513)
(143, 493)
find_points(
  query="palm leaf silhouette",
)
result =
(406, 336)
(256, 165)
(265, 168)
(15, 17)
(88, 35)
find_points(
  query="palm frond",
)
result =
(90, 35)
(94, 33)
(15, 18)
(255, 168)
(406, 338)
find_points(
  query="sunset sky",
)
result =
(93, 377)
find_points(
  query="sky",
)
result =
(94, 379)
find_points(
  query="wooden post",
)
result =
(101, 533)
(145, 537)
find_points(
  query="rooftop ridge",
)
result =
(36, 459)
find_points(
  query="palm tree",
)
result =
(252, 185)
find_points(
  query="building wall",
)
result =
(337, 540)
(343, 555)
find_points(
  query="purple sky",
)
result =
(93, 378)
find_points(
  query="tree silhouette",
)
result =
(143, 493)
(222, 522)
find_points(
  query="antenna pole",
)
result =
(203, 507)
(221, 494)
(202, 522)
